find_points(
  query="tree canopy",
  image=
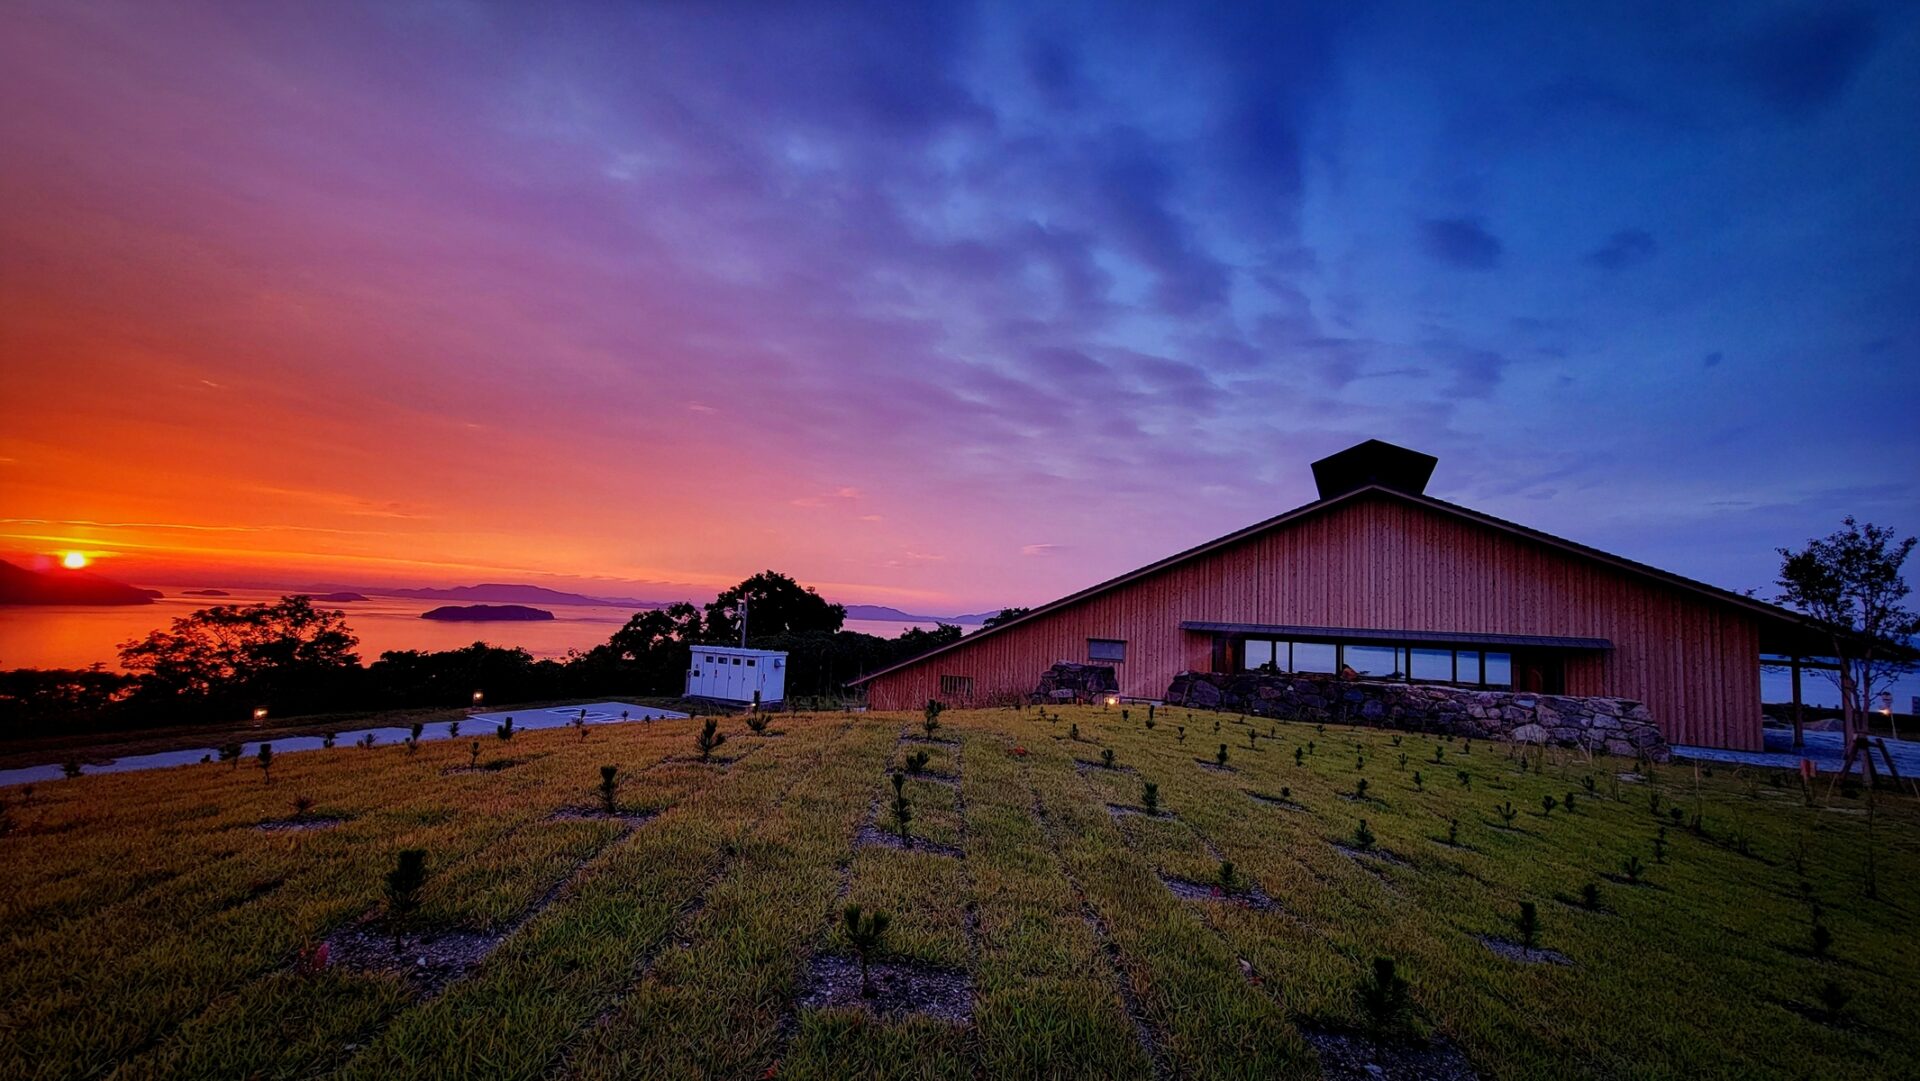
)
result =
(776, 604)
(258, 650)
(1851, 580)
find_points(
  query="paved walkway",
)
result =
(1824, 748)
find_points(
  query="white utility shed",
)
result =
(733, 674)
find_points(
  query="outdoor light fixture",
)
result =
(1112, 701)
(476, 698)
(259, 714)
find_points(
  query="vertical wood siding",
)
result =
(1381, 562)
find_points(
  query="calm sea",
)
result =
(56, 636)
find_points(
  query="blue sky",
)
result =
(947, 307)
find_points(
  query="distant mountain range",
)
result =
(21, 585)
(505, 593)
(895, 615)
(510, 593)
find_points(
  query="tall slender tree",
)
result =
(1851, 582)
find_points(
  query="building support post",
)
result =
(1799, 733)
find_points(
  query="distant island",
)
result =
(205, 593)
(337, 598)
(487, 613)
(21, 585)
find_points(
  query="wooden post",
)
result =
(1799, 731)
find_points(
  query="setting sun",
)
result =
(73, 560)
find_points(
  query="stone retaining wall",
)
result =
(1617, 725)
(1070, 682)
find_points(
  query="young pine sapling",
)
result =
(1383, 996)
(932, 719)
(1220, 757)
(757, 723)
(709, 739)
(1507, 812)
(1150, 797)
(902, 809)
(1529, 924)
(864, 934)
(505, 729)
(265, 756)
(1419, 782)
(1631, 869)
(473, 755)
(1363, 836)
(1590, 896)
(609, 787)
(403, 887)
(917, 762)
(1106, 757)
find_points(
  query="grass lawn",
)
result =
(1040, 924)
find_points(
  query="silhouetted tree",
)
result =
(776, 604)
(260, 653)
(1850, 582)
(1005, 615)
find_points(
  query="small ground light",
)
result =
(259, 714)
(477, 696)
(1111, 701)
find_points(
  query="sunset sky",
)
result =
(945, 308)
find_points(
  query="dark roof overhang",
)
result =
(1364, 635)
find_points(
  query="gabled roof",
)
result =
(1782, 619)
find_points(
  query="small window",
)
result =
(1260, 655)
(696, 673)
(1433, 665)
(736, 660)
(749, 662)
(1499, 670)
(1112, 650)
(956, 686)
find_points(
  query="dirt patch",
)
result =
(1248, 896)
(1281, 802)
(599, 814)
(900, 987)
(936, 741)
(299, 824)
(1085, 766)
(1121, 810)
(1530, 955)
(1358, 854)
(495, 766)
(874, 835)
(1209, 764)
(427, 960)
(936, 777)
(1349, 1057)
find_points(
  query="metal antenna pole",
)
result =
(743, 621)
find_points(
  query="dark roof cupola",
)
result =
(1373, 462)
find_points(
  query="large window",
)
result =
(1316, 657)
(1421, 664)
(1379, 662)
(1111, 650)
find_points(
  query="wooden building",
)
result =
(1378, 577)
